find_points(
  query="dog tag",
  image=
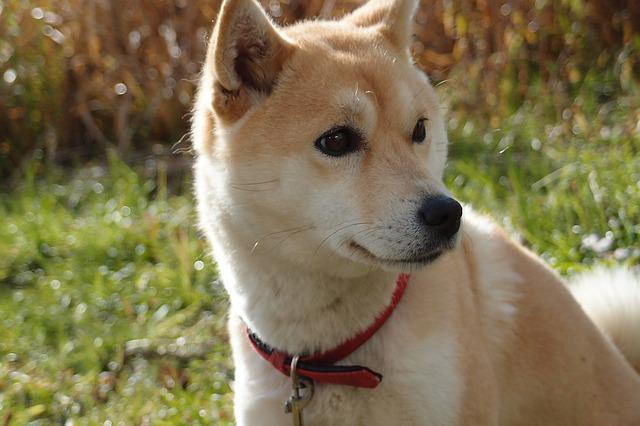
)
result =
(301, 394)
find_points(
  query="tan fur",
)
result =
(308, 245)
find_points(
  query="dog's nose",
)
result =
(441, 214)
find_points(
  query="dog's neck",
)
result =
(299, 311)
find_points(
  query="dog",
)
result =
(320, 155)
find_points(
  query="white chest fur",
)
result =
(422, 382)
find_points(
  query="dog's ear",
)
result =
(246, 54)
(394, 18)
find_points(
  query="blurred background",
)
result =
(110, 310)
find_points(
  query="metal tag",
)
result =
(301, 394)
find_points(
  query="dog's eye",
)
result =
(419, 132)
(337, 142)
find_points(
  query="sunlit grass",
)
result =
(89, 265)
(563, 174)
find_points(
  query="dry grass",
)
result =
(83, 75)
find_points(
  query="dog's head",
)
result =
(322, 141)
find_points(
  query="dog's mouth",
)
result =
(415, 260)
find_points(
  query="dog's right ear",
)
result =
(246, 54)
(393, 18)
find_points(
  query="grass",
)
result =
(89, 265)
(109, 308)
(561, 171)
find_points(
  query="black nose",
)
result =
(441, 214)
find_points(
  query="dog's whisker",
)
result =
(284, 231)
(339, 230)
(346, 240)
(291, 234)
(254, 183)
(367, 232)
(254, 186)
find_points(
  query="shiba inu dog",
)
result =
(320, 155)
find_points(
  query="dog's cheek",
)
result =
(336, 214)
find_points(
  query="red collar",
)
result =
(321, 367)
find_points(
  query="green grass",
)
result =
(87, 266)
(562, 174)
(92, 262)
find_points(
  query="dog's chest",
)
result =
(406, 404)
(422, 385)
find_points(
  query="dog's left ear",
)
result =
(394, 18)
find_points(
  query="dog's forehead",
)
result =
(360, 71)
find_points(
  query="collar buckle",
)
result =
(301, 393)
